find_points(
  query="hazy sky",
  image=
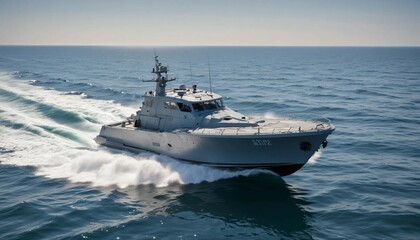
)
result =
(211, 22)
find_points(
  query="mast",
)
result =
(161, 77)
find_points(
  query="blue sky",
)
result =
(228, 22)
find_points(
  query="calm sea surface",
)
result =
(56, 183)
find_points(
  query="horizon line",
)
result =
(151, 46)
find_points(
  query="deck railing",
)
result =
(320, 125)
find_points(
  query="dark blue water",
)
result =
(55, 182)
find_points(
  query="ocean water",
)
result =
(56, 183)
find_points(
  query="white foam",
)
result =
(315, 157)
(79, 159)
(102, 168)
(103, 111)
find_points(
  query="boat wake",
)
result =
(53, 132)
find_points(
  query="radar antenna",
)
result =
(161, 77)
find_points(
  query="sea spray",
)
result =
(315, 157)
(62, 149)
(104, 168)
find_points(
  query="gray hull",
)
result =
(281, 153)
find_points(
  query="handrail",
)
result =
(321, 125)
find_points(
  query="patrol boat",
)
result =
(196, 126)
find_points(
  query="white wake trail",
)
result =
(67, 150)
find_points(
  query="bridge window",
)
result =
(184, 107)
(210, 105)
(170, 105)
(198, 107)
(220, 103)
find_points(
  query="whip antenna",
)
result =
(191, 75)
(208, 61)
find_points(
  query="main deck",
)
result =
(269, 127)
(265, 127)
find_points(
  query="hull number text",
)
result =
(261, 142)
